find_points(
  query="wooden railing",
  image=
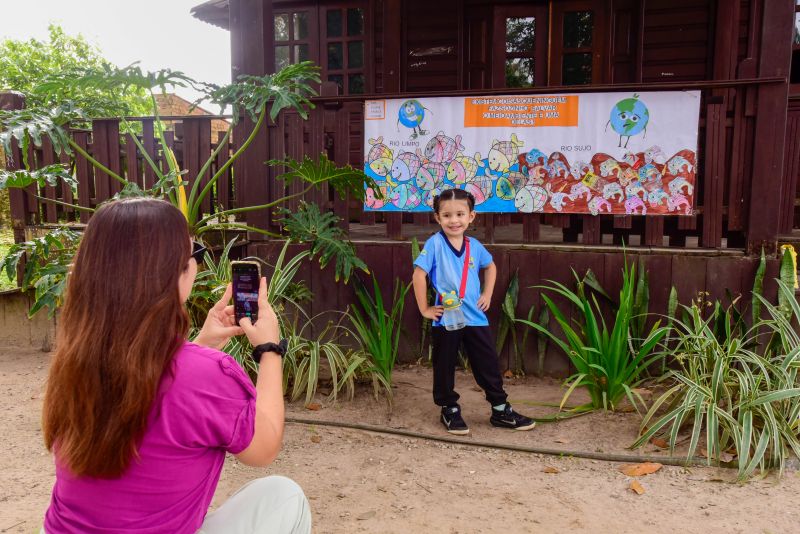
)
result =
(727, 167)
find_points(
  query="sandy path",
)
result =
(365, 482)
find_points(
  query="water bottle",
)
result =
(453, 318)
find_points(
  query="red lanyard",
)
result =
(465, 272)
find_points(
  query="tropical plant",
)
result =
(747, 400)
(378, 329)
(255, 97)
(46, 267)
(606, 364)
(307, 356)
(508, 324)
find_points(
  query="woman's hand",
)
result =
(265, 329)
(220, 324)
(433, 312)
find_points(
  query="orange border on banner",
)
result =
(515, 111)
(382, 117)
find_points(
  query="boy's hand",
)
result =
(484, 301)
(433, 312)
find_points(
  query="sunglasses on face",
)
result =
(198, 251)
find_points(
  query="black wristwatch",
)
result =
(277, 348)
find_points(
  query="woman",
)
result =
(139, 419)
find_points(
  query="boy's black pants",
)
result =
(482, 357)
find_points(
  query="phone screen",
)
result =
(246, 279)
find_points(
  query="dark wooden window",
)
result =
(343, 47)
(577, 42)
(520, 46)
(295, 37)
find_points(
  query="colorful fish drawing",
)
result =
(503, 154)
(405, 167)
(442, 149)
(430, 175)
(379, 157)
(462, 169)
(405, 196)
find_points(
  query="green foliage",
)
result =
(290, 87)
(47, 260)
(27, 65)
(606, 364)
(344, 180)
(378, 329)
(308, 355)
(48, 175)
(508, 323)
(745, 399)
(328, 240)
(29, 126)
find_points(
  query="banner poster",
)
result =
(621, 153)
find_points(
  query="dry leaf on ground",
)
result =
(638, 470)
(315, 438)
(724, 456)
(635, 486)
(508, 374)
(314, 406)
(551, 470)
(660, 443)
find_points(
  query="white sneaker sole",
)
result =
(524, 428)
(458, 432)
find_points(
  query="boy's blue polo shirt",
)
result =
(429, 261)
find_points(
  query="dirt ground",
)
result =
(360, 481)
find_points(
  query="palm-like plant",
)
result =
(377, 329)
(255, 97)
(607, 364)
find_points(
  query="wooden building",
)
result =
(738, 53)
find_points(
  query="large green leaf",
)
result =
(326, 239)
(345, 180)
(49, 175)
(29, 126)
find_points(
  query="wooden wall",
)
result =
(691, 274)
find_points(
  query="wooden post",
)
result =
(252, 30)
(19, 212)
(770, 128)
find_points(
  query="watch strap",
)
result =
(278, 348)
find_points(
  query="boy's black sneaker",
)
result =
(452, 420)
(508, 418)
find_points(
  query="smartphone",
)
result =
(246, 277)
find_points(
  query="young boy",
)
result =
(452, 262)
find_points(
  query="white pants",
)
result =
(273, 504)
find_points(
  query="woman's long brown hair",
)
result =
(120, 326)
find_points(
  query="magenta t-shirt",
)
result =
(205, 408)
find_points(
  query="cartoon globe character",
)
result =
(629, 117)
(411, 114)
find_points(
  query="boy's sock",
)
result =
(499, 407)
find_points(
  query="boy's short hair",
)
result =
(453, 194)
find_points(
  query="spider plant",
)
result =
(377, 329)
(308, 356)
(607, 366)
(744, 400)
